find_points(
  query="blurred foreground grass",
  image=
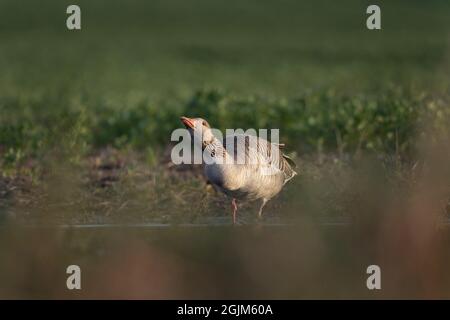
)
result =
(252, 262)
(86, 116)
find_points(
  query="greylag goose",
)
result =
(244, 167)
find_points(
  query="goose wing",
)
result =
(252, 150)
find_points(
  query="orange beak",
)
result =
(187, 122)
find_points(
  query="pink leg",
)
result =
(234, 207)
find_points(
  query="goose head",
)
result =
(201, 127)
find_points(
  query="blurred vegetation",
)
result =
(310, 68)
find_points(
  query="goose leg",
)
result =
(264, 201)
(234, 207)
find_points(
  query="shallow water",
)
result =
(308, 260)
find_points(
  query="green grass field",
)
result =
(86, 116)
